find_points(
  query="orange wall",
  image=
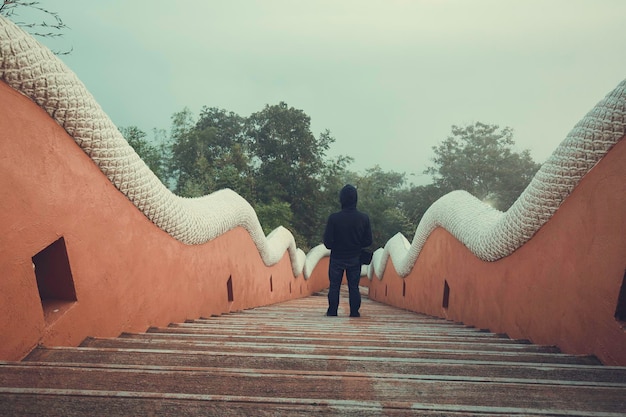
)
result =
(127, 273)
(320, 274)
(561, 288)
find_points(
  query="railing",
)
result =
(79, 259)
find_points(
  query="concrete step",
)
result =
(324, 339)
(79, 403)
(458, 391)
(450, 352)
(540, 373)
(391, 329)
(290, 359)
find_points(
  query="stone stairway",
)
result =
(289, 359)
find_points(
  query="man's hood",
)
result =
(348, 197)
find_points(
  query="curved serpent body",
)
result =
(35, 71)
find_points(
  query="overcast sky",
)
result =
(388, 78)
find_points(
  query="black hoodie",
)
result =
(347, 231)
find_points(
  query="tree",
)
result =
(270, 158)
(288, 161)
(479, 159)
(274, 214)
(334, 176)
(228, 151)
(414, 201)
(42, 23)
(209, 154)
(378, 197)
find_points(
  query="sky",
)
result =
(387, 78)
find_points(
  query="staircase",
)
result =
(290, 359)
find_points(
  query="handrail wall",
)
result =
(560, 288)
(127, 273)
(44, 199)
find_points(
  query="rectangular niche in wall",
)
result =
(446, 295)
(54, 278)
(620, 310)
(229, 289)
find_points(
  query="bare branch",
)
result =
(51, 26)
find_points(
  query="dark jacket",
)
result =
(347, 231)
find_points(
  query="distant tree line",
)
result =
(273, 160)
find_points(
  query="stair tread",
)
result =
(310, 335)
(334, 350)
(326, 340)
(484, 393)
(489, 372)
(69, 403)
(290, 359)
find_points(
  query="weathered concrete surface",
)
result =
(289, 359)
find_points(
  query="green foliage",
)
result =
(271, 158)
(274, 214)
(378, 197)
(415, 200)
(479, 159)
(274, 161)
(210, 154)
(334, 176)
(289, 163)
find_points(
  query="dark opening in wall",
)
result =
(54, 278)
(620, 311)
(290, 288)
(446, 294)
(229, 289)
(271, 284)
(403, 288)
(385, 290)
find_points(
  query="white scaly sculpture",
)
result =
(491, 234)
(32, 69)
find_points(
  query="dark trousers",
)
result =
(352, 267)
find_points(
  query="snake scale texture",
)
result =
(32, 69)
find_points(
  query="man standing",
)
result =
(347, 232)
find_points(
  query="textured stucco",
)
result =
(128, 274)
(105, 202)
(560, 288)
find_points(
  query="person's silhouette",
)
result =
(347, 232)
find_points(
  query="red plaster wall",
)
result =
(319, 276)
(561, 288)
(128, 274)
